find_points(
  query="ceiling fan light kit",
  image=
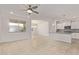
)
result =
(31, 9)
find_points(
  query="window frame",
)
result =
(17, 21)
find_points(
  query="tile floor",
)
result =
(39, 45)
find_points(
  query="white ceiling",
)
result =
(46, 11)
(37, 21)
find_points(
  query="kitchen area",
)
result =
(65, 30)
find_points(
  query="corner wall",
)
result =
(5, 36)
(43, 29)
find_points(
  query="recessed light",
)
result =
(11, 12)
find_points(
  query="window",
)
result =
(17, 26)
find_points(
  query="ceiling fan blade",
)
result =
(29, 6)
(34, 7)
(35, 12)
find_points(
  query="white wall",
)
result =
(43, 29)
(0, 28)
(52, 27)
(5, 36)
(75, 25)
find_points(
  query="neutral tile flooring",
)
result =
(39, 45)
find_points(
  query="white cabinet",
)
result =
(75, 25)
(62, 37)
(61, 25)
(75, 35)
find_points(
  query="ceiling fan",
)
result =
(31, 9)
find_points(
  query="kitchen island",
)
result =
(65, 37)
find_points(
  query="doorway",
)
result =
(40, 27)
